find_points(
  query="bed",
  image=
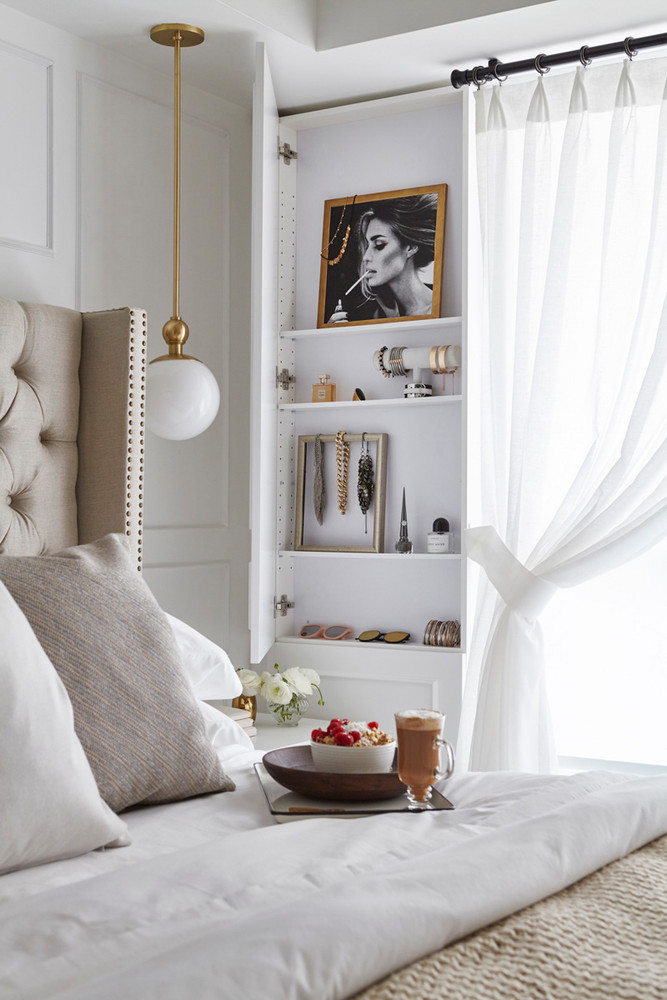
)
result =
(137, 852)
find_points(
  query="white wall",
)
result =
(86, 222)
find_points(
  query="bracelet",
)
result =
(442, 361)
(385, 371)
(396, 361)
(439, 633)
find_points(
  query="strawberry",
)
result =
(342, 739)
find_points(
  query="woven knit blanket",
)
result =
(604, 938)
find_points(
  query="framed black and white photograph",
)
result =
(382, 256)
(325, 520)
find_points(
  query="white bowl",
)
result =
(353, 760)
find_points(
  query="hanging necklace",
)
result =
(319, 487)
(365, 484)
(342, 461)
(346, 236)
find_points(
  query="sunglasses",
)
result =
(325, 632)
(374, 635)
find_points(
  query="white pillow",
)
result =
(223, 731)
(50, 807)
(210, 670)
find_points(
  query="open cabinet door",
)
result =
(264, 326)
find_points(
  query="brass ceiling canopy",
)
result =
(165, 34)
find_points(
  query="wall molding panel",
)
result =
(26, 166)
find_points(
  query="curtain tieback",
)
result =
(522, 591)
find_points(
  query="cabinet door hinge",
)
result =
(282, 605)
(284, 379)
(285, 150)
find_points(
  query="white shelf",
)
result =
(346, 404)
(428, 556)
(414, 647)
(346, 330)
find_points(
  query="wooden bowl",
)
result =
(293, 768)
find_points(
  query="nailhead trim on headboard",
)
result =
(111, 434)
(134, 508)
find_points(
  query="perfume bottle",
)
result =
(324, 391)
(439, 540)
(404, 545)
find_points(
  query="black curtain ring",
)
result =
(584, 57)
(494, 66)
(538, 64)
(475, 76)
(627, 45)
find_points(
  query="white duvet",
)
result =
(214, 900)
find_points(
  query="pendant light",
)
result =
(182, 394)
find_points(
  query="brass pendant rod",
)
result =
(175, 330)
(177, 171)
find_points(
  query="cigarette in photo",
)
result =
(358, 281)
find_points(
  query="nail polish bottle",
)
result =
(324, 391)
(403, 545)
(439, 540)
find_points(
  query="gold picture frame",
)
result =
(407, 238)
(378, 504)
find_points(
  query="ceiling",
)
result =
(327, 52)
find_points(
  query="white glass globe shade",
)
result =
(182, 398)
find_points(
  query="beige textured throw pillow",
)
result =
(134, 710)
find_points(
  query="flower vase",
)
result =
(289, 714)
(248, 702)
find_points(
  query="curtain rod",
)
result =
(543, 63)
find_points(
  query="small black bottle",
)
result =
(404, 545)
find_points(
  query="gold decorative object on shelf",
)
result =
(248, 702)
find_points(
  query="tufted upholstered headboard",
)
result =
(72, 391)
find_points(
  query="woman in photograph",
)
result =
(396, 240)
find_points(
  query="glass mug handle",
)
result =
(438, 772)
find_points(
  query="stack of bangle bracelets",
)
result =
(437, 360)
(439, 633)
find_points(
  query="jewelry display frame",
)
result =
(379, 498)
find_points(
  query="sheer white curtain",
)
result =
(572, 449)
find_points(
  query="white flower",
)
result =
(250, 680)
(275, 690)
(298, 681)
(312, 675)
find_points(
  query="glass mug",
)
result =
(418, 732)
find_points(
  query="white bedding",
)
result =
(214, 900)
